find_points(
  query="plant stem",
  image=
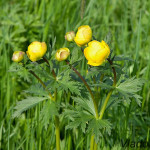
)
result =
(105, 104)
(57, 131)
(90, 91)
(101, 79)
(69, 142)
(109, 94)
(41, 83)
(114, 72)
(95, 146)
(53, 72)
(92, 142)
(93, 99)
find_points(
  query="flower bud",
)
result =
(83, 35)
(70, 36)
(36, 50)
(18, 56)
(62, 54)
(96, 52)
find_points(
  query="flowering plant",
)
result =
(82, 96)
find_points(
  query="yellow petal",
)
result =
(96, 52)
(83, 36)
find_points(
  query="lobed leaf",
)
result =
(26, 104)
(49, 110)
(96, 127)
(130, 87)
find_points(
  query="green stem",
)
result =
(105, 104)
(53, 72)
(109, 94)
(93, 99)
(87, 86)
(95, 146)
(41, 83)
(57, 131)
(114, 72)
(56, 117)
(101, 79)
(92, 142)
(69, 142)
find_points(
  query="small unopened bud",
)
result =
(70, 36)
(62, 54)
(18, 56)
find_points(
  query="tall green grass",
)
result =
(48, 20)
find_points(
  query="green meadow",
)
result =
(126, 26)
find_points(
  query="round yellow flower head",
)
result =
(83, 36)
(18, 56)
(96, 52)
(36, 50)
(62, 54)
(70, 36)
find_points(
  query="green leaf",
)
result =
(94, 71)
(15, 67)
(130, 87)
(26, 104)
(66, 83)
(114, 101)
(75, 57)
(78, 118)
(49, 110)
(37, 90)
(103, 85)
(85, 104)
(96, 127)
(121, 58)
(20, 70)
(24, 74)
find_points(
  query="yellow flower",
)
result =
(83, 36)
(96, 52)
(18, 56)
(62, 54)
(70, 36)
(36, 50)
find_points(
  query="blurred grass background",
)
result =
(24, 21)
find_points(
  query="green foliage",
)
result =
(121, 58)
(21, 71)
(47, 20)
(48, 111)
(79, 119)
(76, 57)
(84, 116)
(67, 84)
(15, 67)
(103, 85)
(86, 104)
(129, 89)
(96, 127)
(37, 90)
(64, 82)
(95, 71)
(80, 115)
(26, 104)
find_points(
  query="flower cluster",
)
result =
(95, 52)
